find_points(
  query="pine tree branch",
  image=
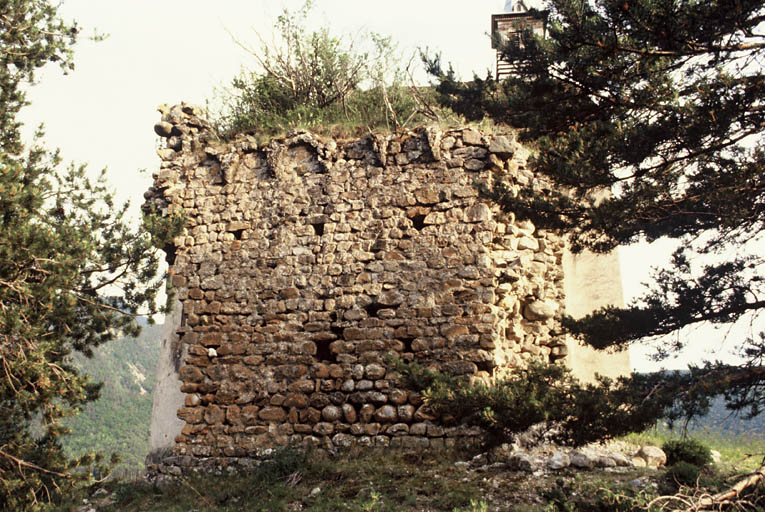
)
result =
(22, 463)
(695, 51)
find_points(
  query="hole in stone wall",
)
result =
(337, 331)
(238, 234)
(323, 352)
(169, 254)
(462, 296)
(407, 343)
(380, 245)
(418, 221)
(318, 228)
(485, 366)
(373, 308)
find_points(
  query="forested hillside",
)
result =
(119, 421)
(723, 421)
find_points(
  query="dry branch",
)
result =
(703, 501)
(734, 492)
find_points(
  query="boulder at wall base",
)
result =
(638, 462)
(559, 460)
(653, 456)
(583, 460)
(504, 145)
(620, 459)
(522, 462)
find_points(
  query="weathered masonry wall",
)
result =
(307, 263)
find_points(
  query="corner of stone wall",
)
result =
(168, 398)
(593, 281)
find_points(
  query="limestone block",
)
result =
(478, 213)
(276, 414)
(349, 413)
(163, 129)
(191, 374)
(323, 429)
(582, 460)
(638, 462)
(470, 136)
(191, 415)
(386, 414)
(559, 460)
(332, 413)
(475, 164)
(540, 310)
(528, 243)
(343, 440)
(214, 415)
(447, 143)
(375, 371)
(620, 459)
(398, 429)
(427, 195)
(366, 412)
(504, 145)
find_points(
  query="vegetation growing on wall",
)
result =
(322, 82)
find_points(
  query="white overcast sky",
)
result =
(170, 51)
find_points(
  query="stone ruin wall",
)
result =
(307, 263)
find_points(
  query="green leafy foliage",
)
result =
(575, 413)
(73, 273)
(688, 450)
(648, 120)
(315, 80)
(683, 473)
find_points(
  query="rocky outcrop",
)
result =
(307, 263)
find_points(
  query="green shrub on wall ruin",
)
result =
(324, 83)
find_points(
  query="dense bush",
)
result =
(690, 451)
(683, 473)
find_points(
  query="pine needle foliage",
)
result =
(574, 413)
(648, 117)
(74, 273)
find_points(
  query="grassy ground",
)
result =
(394, 480)
(378, 481)
(739, 453)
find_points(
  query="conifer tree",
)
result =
(659, 103)
(74, 273)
